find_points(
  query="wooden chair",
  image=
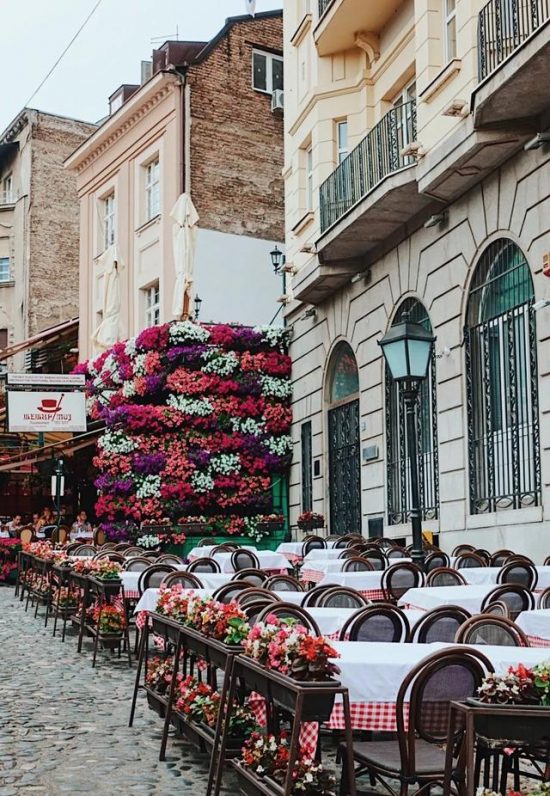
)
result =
(546, 562)
(445, 576)
(544, 599)
(380, 622)
(462, 548)
(399, 578)
(517, 598)
(313, 543)
(497, 608)
(376, 558)
(99, 537)
(85, 550)
(393, 553)
(467, 560)
(493, 630)
(498, 558)
(152, 577)
(357, 564)
(436, 561)
(253, 610)
(204, 565)
(484, 554)
(348, 552)
(130, 552)
(417, 756)
(226, 547)
(244, 559)
(26, 535)
(283, 583)
(59, 535)
(519, 571)
(170, 558)
(284, 610)
(228, 592)
(206, 541)
(109, 555)
(246, 596)
(108, 546)
(342, 597)
(185, 579)
(123, 546)
(70, 548)
(255, 576)
(341, 543)
(311, 597)
(154, 555)
(439, 624)
(136, 564)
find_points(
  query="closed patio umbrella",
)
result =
(108, 331)
(184, 236)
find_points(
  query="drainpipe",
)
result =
(184, 131)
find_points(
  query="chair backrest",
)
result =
(357, 564)
(228, 592)
(395, 552)
(440, 624)
(519, 572)
(284, 610)
(255, 576)
(255, 593)
(170, 558)
(312, 597)
(342, 597)
(544, 599)
(109, 546)
(516, 597)
(244, 559)
(445, 576)
(110, 555)
(123, 546)
(59, 535)
(99, 537)
(152, 554)
(313, 543)
(547, 561)
(136, 564)
(466, 560)
(399, 578)
(380, 622)
(387, 544)
(226, 547)
(130, 552)
(493, 630)
(204, 565)
(152, 577)
(206, 541)
(70, 548)
(499, 557)
(342, 542)
(185, 579)
(436, 561)
(283, 583)
(497, 608)
(462, 548)
(376, 558)
(85, 550)
(349, 552)
(26, 536)
(484, 554)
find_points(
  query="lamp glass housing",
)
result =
(407, 349)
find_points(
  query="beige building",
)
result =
(416, 180)
(206, 122)
(39, 227)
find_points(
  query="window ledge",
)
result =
(303, 222)
(447, 73)
(527, 515)
(150, 223)
(301, 30)
(7, 283)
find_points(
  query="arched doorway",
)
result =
(344, 442)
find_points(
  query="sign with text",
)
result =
(47, 379)
(46, 411)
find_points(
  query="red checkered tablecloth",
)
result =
(537, 641)
(293, 558)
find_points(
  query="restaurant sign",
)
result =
(46, 411)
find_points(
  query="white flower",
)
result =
(280, 446)
(183, 331)
(128, 389)
(198, 407)
(116, 442)
(273, 386)
(225, 463)
(275, 336)
(110, 367)
(248, 426)
(130, 347)
(220, 363)
(139, 364)
(202, 482)
(148, 486)
(148, 541)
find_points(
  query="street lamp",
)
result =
(407, 349)
(198, 302)
(277, 259)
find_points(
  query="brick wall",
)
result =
(237, 142)
(53, 222)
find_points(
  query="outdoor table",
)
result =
(326, 554)
(293, 550)
(205, 551)
(269, 560)
(314, 569)
(536, 626)
(468, 597)
(149, 599)
(478, 576)
(368, 583)
(130, 581)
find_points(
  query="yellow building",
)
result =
(415, 181)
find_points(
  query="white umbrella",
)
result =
(108, 331)
(250, 6)
(184, 237)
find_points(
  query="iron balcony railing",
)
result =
(376, 156)
(323, 5)
(503, 26)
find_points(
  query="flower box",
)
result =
(202, 735)
(272, 525)
(252, 785)
(192, 528)
(505, 730)
(110, 641)
(310, 525)
(156, 702)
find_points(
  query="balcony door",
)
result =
(404, 111)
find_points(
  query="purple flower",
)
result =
(155, 383)
(199, 457)
(149, 463)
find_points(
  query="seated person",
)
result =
(14, 527)
(81, 528)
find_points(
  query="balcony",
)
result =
(514, 59)
(341, 20)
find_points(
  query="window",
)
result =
(501, 383)
(152, 189)
(109, 220)
(5, 271)
(307, 470)
(397, 454)
(7, 190)
(152, 305)
(405, 122)
(342, 140)
(449, 7)
(309, 178)
(267, 72)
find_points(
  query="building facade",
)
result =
(201, 124)
(416, 181)
(39, 226)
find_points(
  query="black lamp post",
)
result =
(277, 259)
(198, 302)
(58, 489)
(407, 349)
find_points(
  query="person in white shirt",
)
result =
(14, 526)
(81, 528)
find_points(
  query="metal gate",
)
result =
(344, 468)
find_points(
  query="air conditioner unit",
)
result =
(277, 100)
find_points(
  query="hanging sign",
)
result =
(46, 411)
(73, 380)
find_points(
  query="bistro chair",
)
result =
(170, 558)
(152, 577)
(399, 578)
(342, 597)
(546, 562)
(99, 537)
(255, 593)
(204, 565)
(313, 543)
(342, 542)
(445, 576)
(26, 535)
(109, 546)
(484, 554)
(436, 561)
(206, 541)
(255, 576)
(185, 579)
(253, 610)
(59, 535)
(123, 546)
(376, 558)
(517, 598)
(110, 555)
(416, 756)
(152, 554)
(544, 599)
(130, 552)
(497, 608)
(312, 596)
(396, 553)
(498, 558)
(87, 550)
(349, 552)
(282, 583)
(229, 591)
(357, 564)
(136, 564)
(226, 547)
(493, 630)
(283, 610)
(70, 548)
(462, 548)
(380, 622)
(519, 571)
(244, 559)
(467, 560)
(439, 624)
(386, 544)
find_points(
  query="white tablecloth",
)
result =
(324, 566)
(149, 599)
(482, 575)
(328, 554)
(469, 597)
(267, 558)
(206, 550)
(362, 581)
(536, 623)
(295, 548)
(130, 579)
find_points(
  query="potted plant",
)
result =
(66, 601)
(270, 522)
(157, 682)
(309, 520)
(192, 526)
(110, 623)
(108, 570)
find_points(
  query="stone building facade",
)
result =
(432, 202)
(39, 225)
(201, 123)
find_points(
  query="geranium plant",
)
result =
(159, 673)
(109, 619)
(520, 685)
(311, 519)
(108, 570)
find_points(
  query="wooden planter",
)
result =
(251, 784)
(66, 611)
(110, 641)
(509, 730)
(310, 526)
(156, 701)
(192, 528)
(270, 527)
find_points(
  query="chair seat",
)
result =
(384, 755)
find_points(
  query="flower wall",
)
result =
(197, 423)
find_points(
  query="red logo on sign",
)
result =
(50, 405)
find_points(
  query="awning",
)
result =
(21, 462)
(42, 339)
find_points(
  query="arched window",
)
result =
(397, 455)
(344, 441)
(501, 382)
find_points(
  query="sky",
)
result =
(107, 52)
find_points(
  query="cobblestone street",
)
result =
(64, 726)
